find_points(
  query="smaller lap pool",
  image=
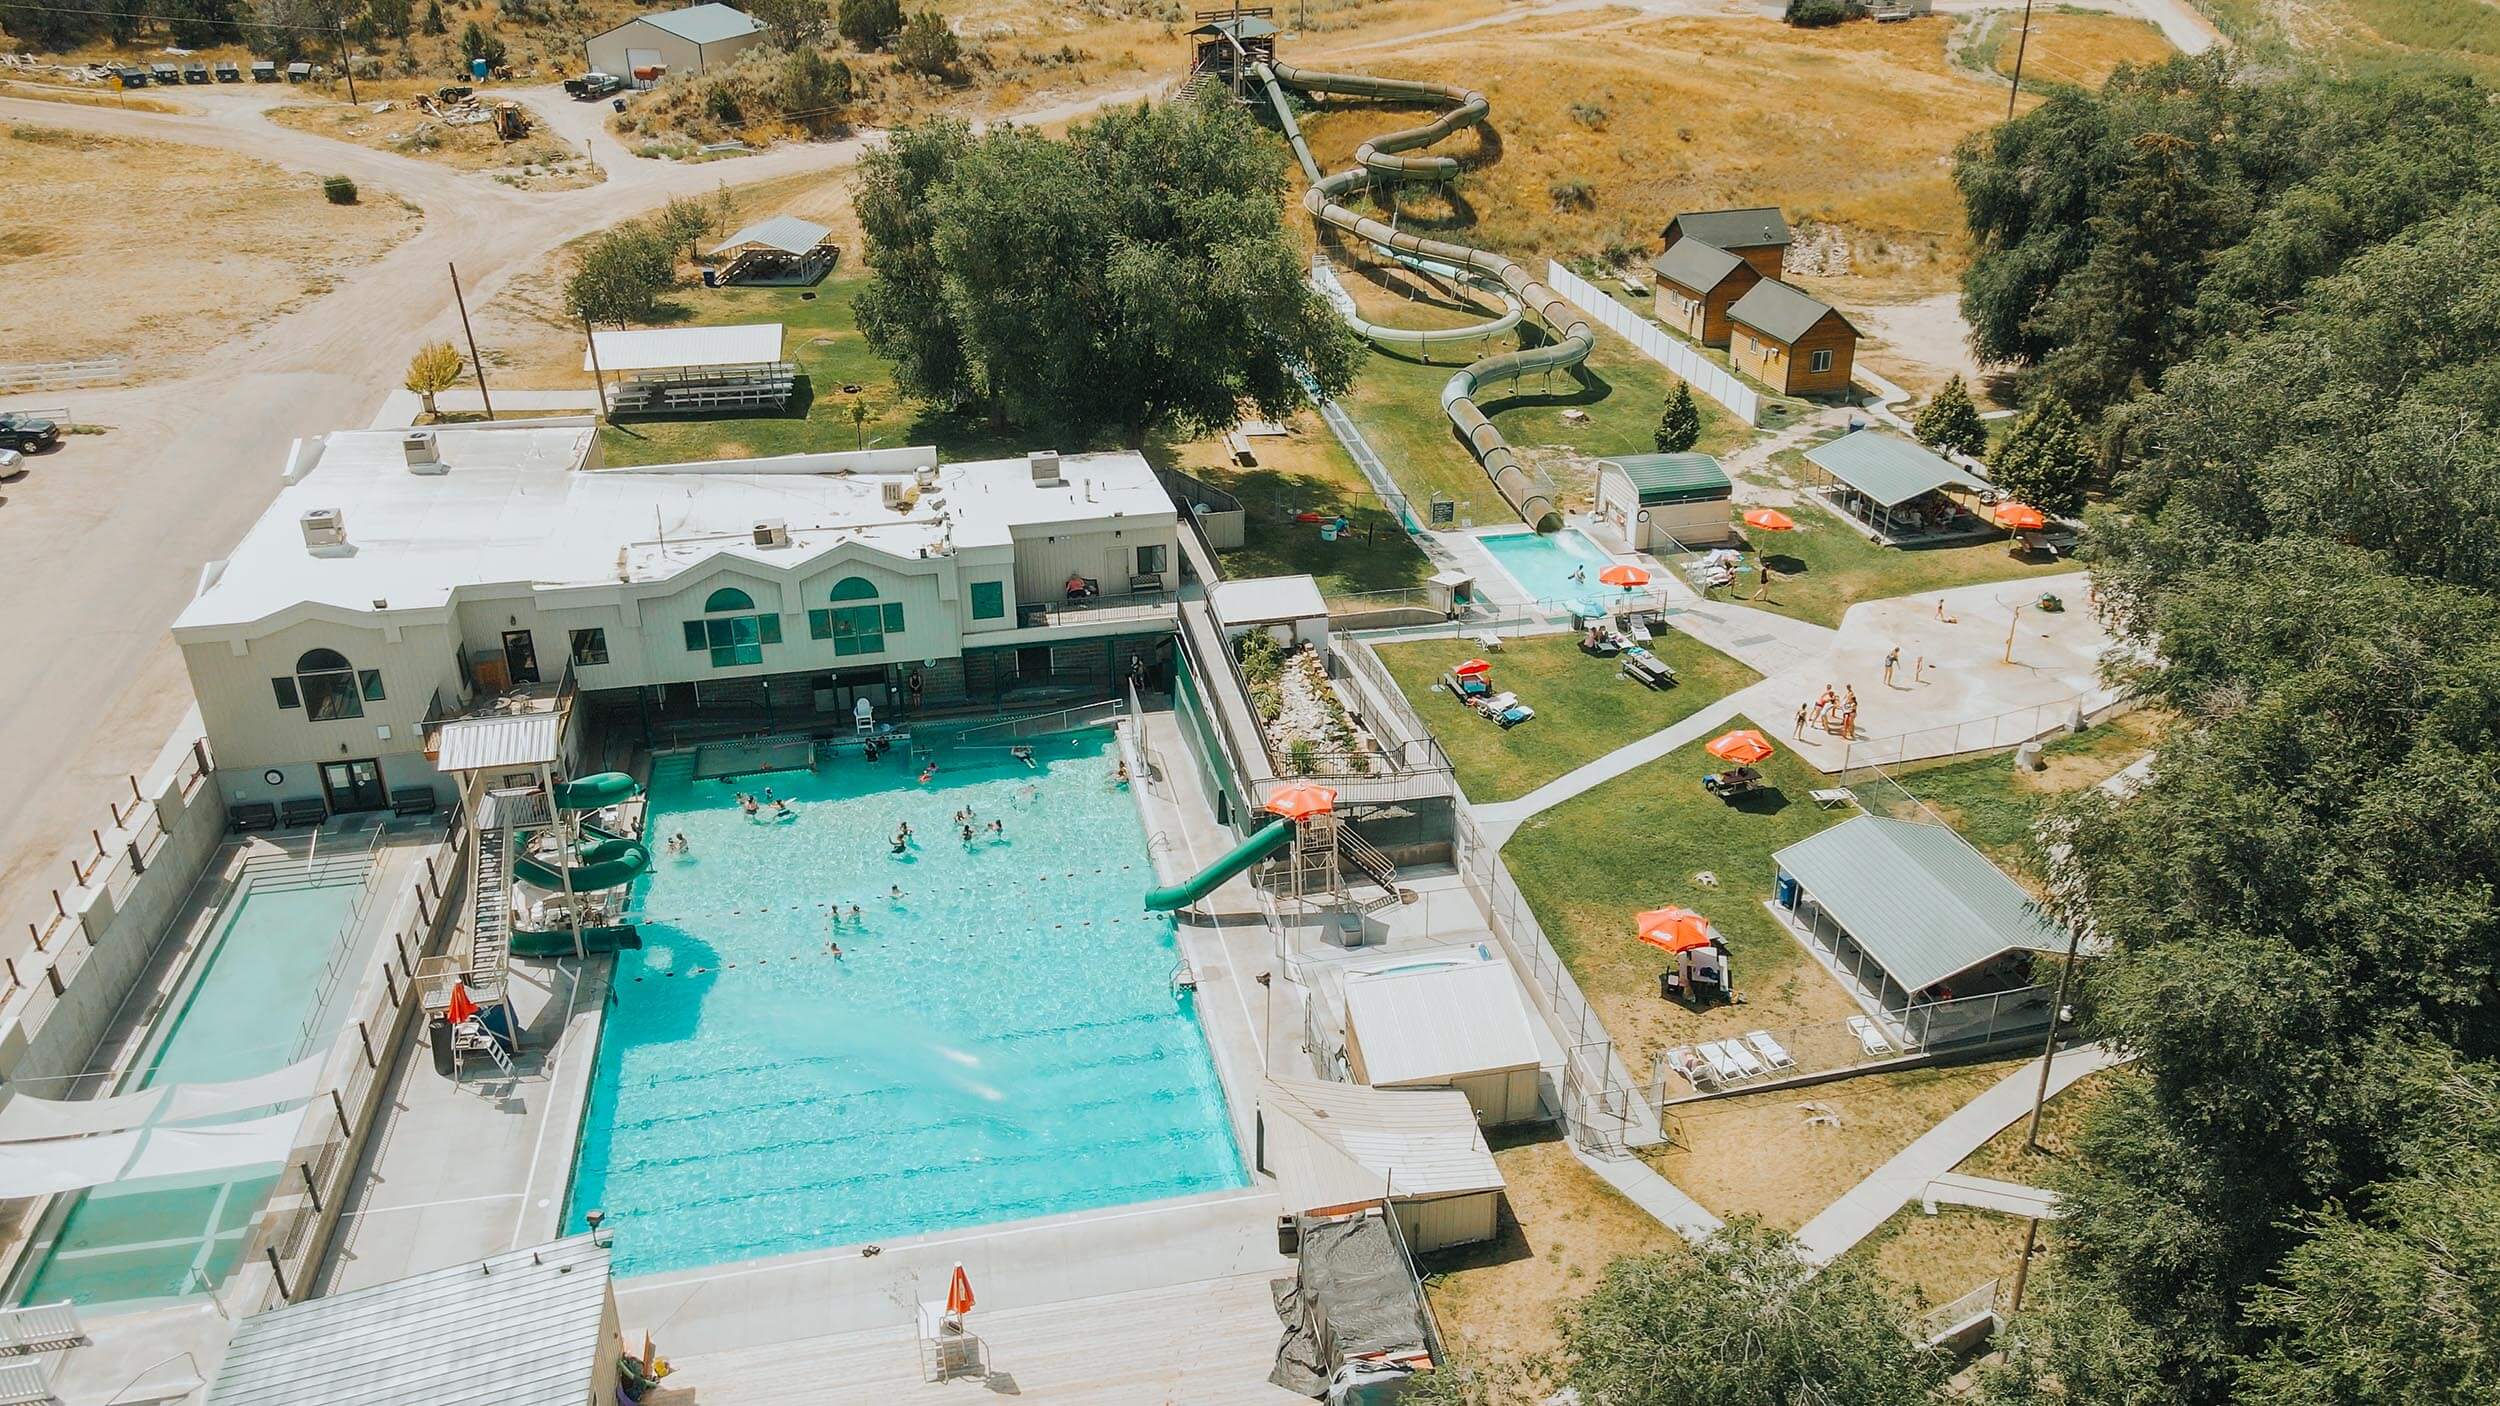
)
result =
(1544, 565)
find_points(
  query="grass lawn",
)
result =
(1638, 842)
(1306, 470)
(1936, 1259)
(1995, 806)
(1758, 1154)
(1585, 707)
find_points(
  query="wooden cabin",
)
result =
(1697, 284)
(1793, 343)
(1759, 235)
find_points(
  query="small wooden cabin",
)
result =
(1697, 284)
(1793, 343)
(1758, 235)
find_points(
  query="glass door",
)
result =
(520, 657)
(353, 786)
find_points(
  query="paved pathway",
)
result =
(1643, 1187)
(1938, 1151)
(1503, 819)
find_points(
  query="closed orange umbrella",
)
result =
(1624, 576)
(461, 1007)
(1770, 520)
(2022, 517)
(1674, 929)
(959, 1293)
(1744, 746)
(1472, 668)
(1301, 800)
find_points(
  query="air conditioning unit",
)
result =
(1046, 468)
(323, 528)
(772, 532)
(895, 493)
(423, 456)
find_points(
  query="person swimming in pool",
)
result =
(895, 893)
(999, 828)
(782, 811)
(747, 804)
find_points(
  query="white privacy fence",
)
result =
(1676, 355)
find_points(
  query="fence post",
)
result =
(310, 1189)
(137, 865)
(366, 1041)
(338, 1105)
(278, 1271)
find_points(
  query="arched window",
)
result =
(327, 687)
(733, 639)
(856, 624)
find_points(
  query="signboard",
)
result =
(1444, 512)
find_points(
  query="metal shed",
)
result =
(648, 48)
(1450, 1025)
(1665, 501)
(534, 1327)
(1903, 906)
(1336, 1148)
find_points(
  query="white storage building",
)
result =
(646, 49)
(1457, 1025)
(1338, 1148)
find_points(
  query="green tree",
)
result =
(477, 43)
(685, 222)
(792, 24)
(2047, 458)
(434, 21)
(435, 368)
(391, 17)
(1679, 427)
(812, 90)
(869, 24)
(619, 276)
(1950, 422)
(1742, 1320)
(1140, 246)
(198, 24)
(928, 46)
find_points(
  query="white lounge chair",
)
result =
(1871, 1036)
(1489, 642)
(1833, 797)
(1770, 1050)
(1696, 1071)
(1744, 1058)
(1727, 1070)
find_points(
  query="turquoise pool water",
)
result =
(1542, 564)
(1001, 1041)
(247, 996)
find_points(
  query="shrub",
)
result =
(1589, 115)
(339, 190)
(869, 24)
(927, 46)
(720, 103)
(1573, 194)
(1305, 755)
(1816, 14)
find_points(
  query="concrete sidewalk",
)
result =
(1503, 819)
(1938, 1151)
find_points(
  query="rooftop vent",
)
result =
(895, 493)
(423, 457)
(325, 530)
(1046, 468)
(772, 532)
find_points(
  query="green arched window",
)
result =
(856, 623)
(733, 639)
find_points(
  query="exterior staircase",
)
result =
(1364, 859)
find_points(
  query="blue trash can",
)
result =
(477, 69)
(1784, 892)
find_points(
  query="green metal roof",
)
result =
(1245, 27)
(1783, 312)
(1674, 478)
(1918, 898)
(1757, 227)
(1886, 468)
(1696, 264)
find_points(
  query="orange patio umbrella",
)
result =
(959, 1293)
(1301, 800)
(1472, 668)
(461, 1007)
(1621, 575)
(1744, 746)
(1674, 929)
(1770, 520)
(2022, 517)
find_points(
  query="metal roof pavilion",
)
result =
(1885, 468)
(787, 233)
(1917, 898)
(524, 1328)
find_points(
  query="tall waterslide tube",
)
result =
(1383, 157)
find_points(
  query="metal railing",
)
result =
(1941, 1320)
(1826, 1049)
(343, 948)
(2011, 728)
(1074, 718)
(1137, 604)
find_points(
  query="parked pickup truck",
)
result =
(592, 86)
(25, 432)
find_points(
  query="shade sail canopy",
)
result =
(68, 1164)
(26, 1118)
(1919, 900)
(1887, 469)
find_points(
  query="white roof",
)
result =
(668, 348)
(477, 744)
(1267, 600)
(1334, 1145)
(523, 1328)
(700, 24)
(1424, 1024)
(514, 509)
(787, 233)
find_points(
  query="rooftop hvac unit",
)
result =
(772, 532)
(423, 457)
(324, 528)
(1046, 468)
(893, 492)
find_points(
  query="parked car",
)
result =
(593, 86)
(27, 432)
(12, 463)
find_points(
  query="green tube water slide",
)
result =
(1259, 846)
(1383, 158)
(607, 860)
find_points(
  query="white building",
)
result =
(1440, 1024)
(402, 578)
(648, 48)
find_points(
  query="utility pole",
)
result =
(2048, 1047)
(596, 374)
(476, 363)
(2022, 42)
(2022, 1267)
(344, 65)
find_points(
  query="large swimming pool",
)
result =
(1543, 563)
(1002, 1040)
(256, 998)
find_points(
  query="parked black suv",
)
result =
(27, 433)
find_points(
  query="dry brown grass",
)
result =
(2078, 49)
(538, 161)
(80, 95)
(1758, 1154)
(1936, 1259)
(119, 237)
(2006, 1157)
